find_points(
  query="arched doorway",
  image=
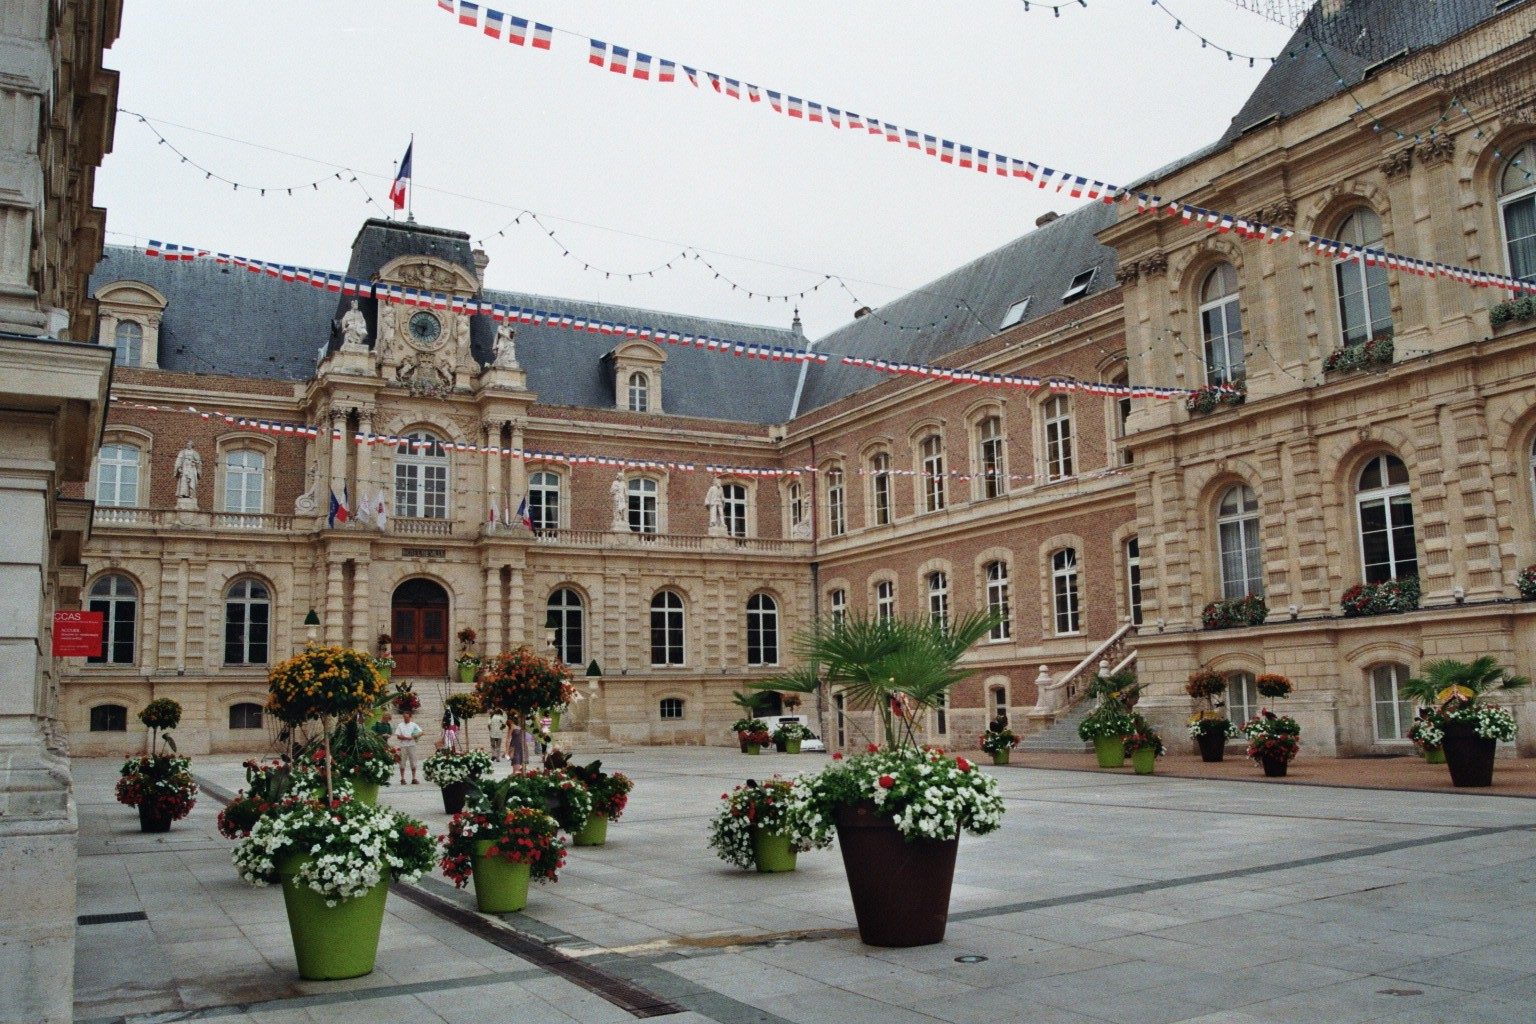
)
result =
(419, 624)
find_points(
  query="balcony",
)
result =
(614, 540)
(403, 526)
(109, 517)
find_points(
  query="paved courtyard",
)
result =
(1103, 899)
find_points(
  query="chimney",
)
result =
(481, 262)
(862, 312)
(1045, 218)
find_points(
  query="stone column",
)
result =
(338, 458)
(360, 604)
(367, 485)
(334, 628)
(494, 508)
(182, 579)
(494, 641)
(517, 472)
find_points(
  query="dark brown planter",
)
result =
(1213, 746)
(1468, 755)
(900, 888)
(780, 745)
(153, 821)
(1274, 767)
(453, 797)
(742, 740)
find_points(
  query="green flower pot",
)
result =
(1001, 756)
(753, 748)
(792, 746)
(554, 720)
(1144, 761)
(1435, 756)
(330, 943)
(385, 671)
(364, 791)
(593, 833)
(501, 886)
(772, 851)
(1110, 751)
(467, 673)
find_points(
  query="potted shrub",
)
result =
(552, 790)
(610, 795)
(1456, 694)
(1240, 611)
(519, 685)
(568, 696)
(462, 707)
(749, 702)
(454, 773)
(159, 785)
(759, 827)
(1526, 583)
(1428, 737)
(1144, 746)
(898, 809)
(1272, 685)
(266, 783)
(383, 661)
(788, 737)
(468, 660)
(405, 700)
(1208, 726)
(999, 741)
(361, 756)
(753, 734)
(1399, 595)
(1106, 728)
(503, 844)
(1273, 741)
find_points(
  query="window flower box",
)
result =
(1526, 581)
(1242, 611)
(1400, 595)
(1206, 400)
(1376, 352)
(1521, 310)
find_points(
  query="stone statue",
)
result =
(189, 468)
(714, 501)
(618, 492)
(504, 351)
(354, 330)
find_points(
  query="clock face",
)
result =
(425, 328)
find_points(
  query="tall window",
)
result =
(1365, 304)
(999, 702)
(762, 630)
(644, 505)
(1387, 548)
(796, 505)
(1517, 208)
(247, 616)
(117, 599)
(933, 473)
(837, 601)
(117, 475)
(989, 457)
(735, 509)
(880, 488)
(566, 615)
(938, 599)
(245, 478)
(1058, 438)
(1133, 577)
(421, 478)
(1123, 419)
(639, 393)
(1221, 325)
(666, 629)
(1243, 701)
(837, 508)
(1394, 712)
(128, 343)
(544, 500)
(840, 709)
(997, 600)
(1064, 590)
(885, 601)
(1237, 525)
(941, 715)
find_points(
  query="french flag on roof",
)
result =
(446, 5)
(642, 66)
(872, 125)
(714, 80)
(493, 22)
(983, 161)
(469, 14)
(620, 63)
(517, 30)
(541, 36)
(597, 55)
(965, 156)
(834, 117)
(930, 145)
(892, 133)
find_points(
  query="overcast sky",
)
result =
(628, 171)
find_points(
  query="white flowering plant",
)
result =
(1456, 692)
(344, 848)
(769, 806)
(926, 793)
(444, 767)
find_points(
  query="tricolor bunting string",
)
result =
(1180, 25)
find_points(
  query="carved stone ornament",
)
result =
(1156, 263)
(428, 276)
(1127, 273)
(1522, 115)
(1281, 213)
(426, 377)
(308, 503)
(1399, 163)
(1435, 150)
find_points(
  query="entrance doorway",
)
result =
(419, 628)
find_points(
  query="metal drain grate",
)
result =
(133, 915)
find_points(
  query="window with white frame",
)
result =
(247, 622)
(1058, 438)
(1064, 591)
(117, 475)
(644, 505)
(941, 715)
(1123, 419)
(1133, 578)
(880, 488)
(421, 478)
(1237, 527)
(837, 602)
(762, 630)
(933, 473)
(566, 615)
(885, 601)
(544, 500)
(1365, 302)
(938, 599)
(639, 392)
(1015, 314)
(245, 481)
(840, 711)
(1000, 702)
(734, 509)
(837, 508)
(1517, 211)
(1393, 712)
(1221, 326)
(671, 708)
(1385, 504)
(128, 343)
(666, 629)
(991, 462)
(1243, 700)
(117, 599)
(998, 599)
(796, 504)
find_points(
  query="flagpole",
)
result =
(410, 188)
(396, 165)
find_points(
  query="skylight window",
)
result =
(1080, 285)
(1015, 313)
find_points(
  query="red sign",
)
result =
(77, 634)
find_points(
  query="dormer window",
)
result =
(1079, 286)
(128, 341)
(1015, 314)
(637, 367)
(128, 322)
(639, 393)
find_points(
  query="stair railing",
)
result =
(1056, 697)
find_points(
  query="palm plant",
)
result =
(895, 666)
(749, 702)
(1442, 680)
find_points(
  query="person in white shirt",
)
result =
(498, 728)
(406, 735)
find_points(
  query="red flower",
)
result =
(962, 764)
(872, 748)
(886, 782)
(837, 755)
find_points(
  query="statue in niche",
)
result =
(618, 492)
(504, 351)
(189, 469)
(714, 501)
(354, 330)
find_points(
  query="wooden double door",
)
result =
(419, 629)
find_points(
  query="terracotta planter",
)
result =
(1001, 757)
(1144, 761)
(900, 889)
(453, 797)
(1110, 751)
(1468, 755)
(1213, 746)
(152, 820)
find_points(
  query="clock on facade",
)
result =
(425, 328)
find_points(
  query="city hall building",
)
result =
(1388, 433)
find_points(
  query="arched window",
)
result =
(1064, 591)
(644, 505)
(1365, 304)
(1237, 527)
(1133, 577)
(566, 615)
(245, 477)
(421, 478)
(672, 707)
(885, 600)
(639, 392)
(666, 629)
(762, 630)
(1517, 209)
(544, 500)
(1058, 438)
(837, 507)
(938, 599)
(1243, 701)
(933, 473)
(1221, 325)
(117, 599)
(245, 716)
(1000, 702)
(1393, 712)
(880, 488)
(837, 601)
(991, 462)
(1387, 549)
(735, 509)
(247, 614)
(128, 343)
(117, 475)
(998, 599)
(109, 718)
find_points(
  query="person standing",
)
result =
(451, 736)
(498, 729)
(406, 735)
(519, 744)
(385, 726)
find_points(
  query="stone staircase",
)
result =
(1061, 707)
(1062, 733)
(582, 745)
